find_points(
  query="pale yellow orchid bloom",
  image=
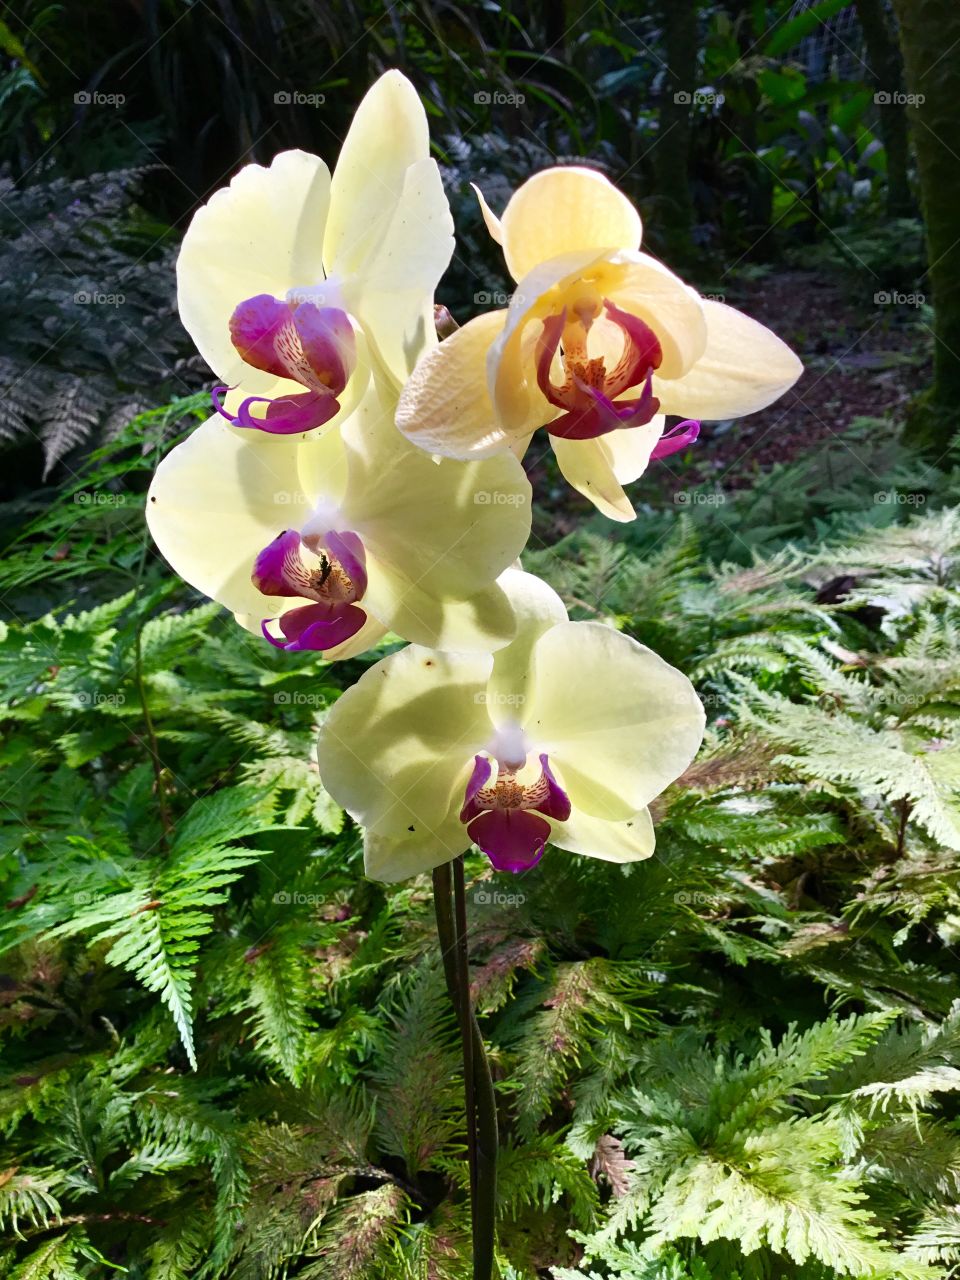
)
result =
(563, 736)
(292, 283)
(599, 342)
(327, 541)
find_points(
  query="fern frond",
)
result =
(540, 1173)
(357, 1239)
(418, 1101)
(28, 1198)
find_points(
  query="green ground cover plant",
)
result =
(228, 1054)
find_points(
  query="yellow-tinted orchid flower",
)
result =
(565, 735)
(291, 282)
(327, 541)
(599, 342)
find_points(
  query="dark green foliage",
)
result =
(227, 1054)
(88, 321)
(927, 27)
(773, 145)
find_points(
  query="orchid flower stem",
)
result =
(464, 1016)
(479, 1095)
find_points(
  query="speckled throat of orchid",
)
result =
(507, 818)
(328, 569)
(300, 340)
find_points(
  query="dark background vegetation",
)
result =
(752, 136)
(225, 1053)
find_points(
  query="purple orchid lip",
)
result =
(590, 393)
(513, 839)
(285, 416)
(312, 345)
(500, 819)
(335, 583)
(315, 626)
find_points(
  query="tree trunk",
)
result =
(672, 153)
(930, 40)
(886, 67)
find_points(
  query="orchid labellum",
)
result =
(562, 737)
(292, 283)
(600, 342)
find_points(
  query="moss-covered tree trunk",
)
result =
(886, 67)
(672, 153)
(930, 41)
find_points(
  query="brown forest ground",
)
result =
(861, 359)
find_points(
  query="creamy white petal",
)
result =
(216, 501)
(387, 135)
(396, 749)
(599, 468)
(630, 449)
(588, 466)
(451, 527)
(445, 407)
(536, 607)
(566, 210)
(626, 841)
(393, 292)
(620, 722)
(390, 857)
(744, 367)
(437, 534)
(480, 623)
(261, 234)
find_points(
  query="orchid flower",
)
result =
(599, 342)
(292, 283)
(327, 541)
(563, 736)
